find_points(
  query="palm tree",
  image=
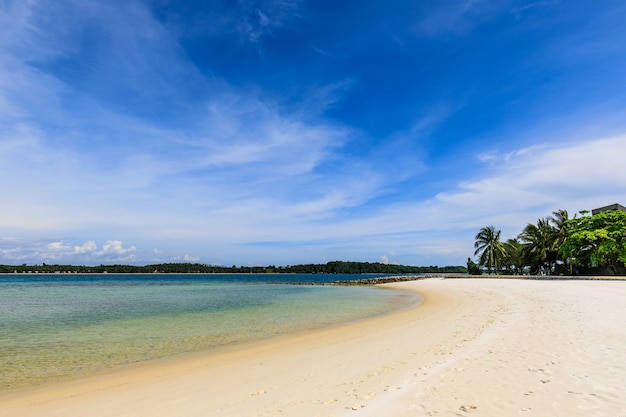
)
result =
(514, 256)
(560, 224)
(492, 252)
(540, 247)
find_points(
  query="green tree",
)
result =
(597, 241)
(472, 268)
(540, 246)
(514, 256)
(559, 222)
(489, 248)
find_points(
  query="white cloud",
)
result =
(36, 251)
(87, 247)
(262, 18)
(55, 246)
(458, 17)
(494, 157)
(584, 171)
(238, 167)
(522, 186)
(115, 247)
(519, 189)
(241, 146)
(243, 130)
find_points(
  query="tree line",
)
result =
(556, 245)
(334, 267)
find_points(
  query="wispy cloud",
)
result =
(517, 189)
(201, 132)
(260, 18)
(236, 145)
(458, 17)
(494, 157)
(532, 182)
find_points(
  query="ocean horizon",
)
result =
(56, 327)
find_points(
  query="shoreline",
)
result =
(493, 346)
(97, 334)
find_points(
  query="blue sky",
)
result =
(285, 132)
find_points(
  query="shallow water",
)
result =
(58, 327)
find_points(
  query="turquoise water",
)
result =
(58, 327)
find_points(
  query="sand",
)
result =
(479, 347)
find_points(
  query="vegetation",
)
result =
(492, 252)
(556, 245)
(597, 241)
(335, 267)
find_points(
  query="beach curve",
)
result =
(475, 346)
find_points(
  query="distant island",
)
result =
(334, 267)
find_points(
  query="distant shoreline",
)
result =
(388, 278)
(333, 267)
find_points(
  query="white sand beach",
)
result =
(483, 347)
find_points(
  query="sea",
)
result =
(63, 326)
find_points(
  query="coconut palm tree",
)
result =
(540, 247)
(514, 256)
(490, 250)
(559, 221)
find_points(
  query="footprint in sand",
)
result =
(466, 408)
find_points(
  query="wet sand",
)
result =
(484, 347)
